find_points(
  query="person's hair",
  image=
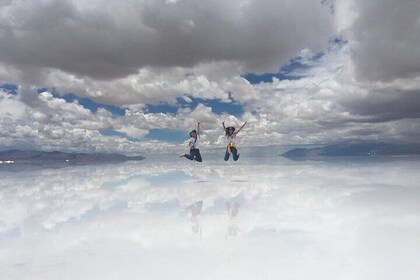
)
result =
(193, 131)
(228, 129)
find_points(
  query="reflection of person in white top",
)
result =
(232, 212)
(231, 137)
(193, 144)
(195, 210)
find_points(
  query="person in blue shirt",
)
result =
(231, 139)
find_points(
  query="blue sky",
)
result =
(286, 72)
(9, 88)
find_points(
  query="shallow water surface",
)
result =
(175, 219)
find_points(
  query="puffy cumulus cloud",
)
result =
(328, 104)
(384, 35)
(150, 85)
(10, 107)
(184, 119)
(47, 122)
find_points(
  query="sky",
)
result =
(135, 77)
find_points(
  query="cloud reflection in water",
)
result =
(255, 220)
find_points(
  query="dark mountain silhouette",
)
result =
(356, 149)
(18, 156)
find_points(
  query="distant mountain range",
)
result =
(355, 149)
(29, 157)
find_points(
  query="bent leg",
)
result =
(190, 156)
(197, 155)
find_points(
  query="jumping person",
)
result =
(193, 144)
(231, 137)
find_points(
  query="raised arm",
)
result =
(198, 128)
(224, 127)
(240, 128)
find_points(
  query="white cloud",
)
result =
(10, 107)
(45, 122)
(133, 131)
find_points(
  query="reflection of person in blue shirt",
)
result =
(195, 210)
(232, 212)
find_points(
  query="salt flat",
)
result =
(259, 218)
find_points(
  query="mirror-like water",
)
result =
(173, 219)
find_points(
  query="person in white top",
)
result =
(193, 144)
(231, 137)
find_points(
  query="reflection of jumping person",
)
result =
(231, 137)
(195, 210)
(193, 144)
(232, 212)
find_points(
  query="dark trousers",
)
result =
(194, 154)
(234, 154)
